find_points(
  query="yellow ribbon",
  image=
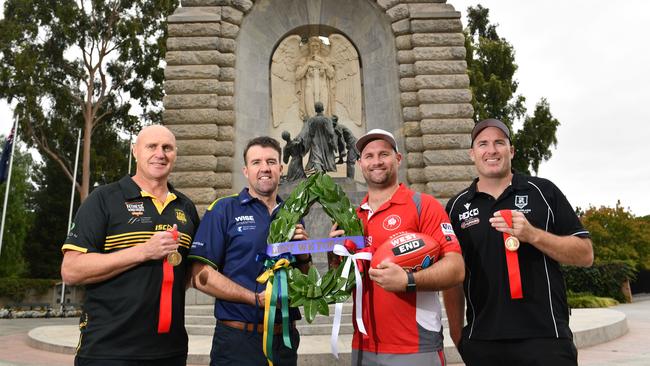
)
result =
(268, 295)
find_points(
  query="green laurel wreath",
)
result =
(311, 291)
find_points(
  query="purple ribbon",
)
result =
(312, 246)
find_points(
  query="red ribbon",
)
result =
(165, 312)
(512, 261)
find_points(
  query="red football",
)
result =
(412, 251)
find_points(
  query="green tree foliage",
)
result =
(19, 216)
(80, 64)
(491, 68)
(51, 201)
(532, 141)
(618, 235)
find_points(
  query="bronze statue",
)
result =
(320, 139)
(294, 150)
(347, 139)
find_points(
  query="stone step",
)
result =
(199, 310)
(323, 329)
(203, 324)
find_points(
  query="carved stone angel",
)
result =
(305, 73)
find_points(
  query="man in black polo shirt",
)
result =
(128, 245)
(514, 231)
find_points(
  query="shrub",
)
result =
(16, 289)
(587, 300)
(601, 279)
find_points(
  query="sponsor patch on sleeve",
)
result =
(447, 229)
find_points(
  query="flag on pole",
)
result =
(6, 156)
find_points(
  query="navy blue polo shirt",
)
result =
(233, 231)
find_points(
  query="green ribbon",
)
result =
(276, 267)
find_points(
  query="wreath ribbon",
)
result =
(358, 299)
(276, 267)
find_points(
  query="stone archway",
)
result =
(414, 77)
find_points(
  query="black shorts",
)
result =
(521, 352)
(170, 361)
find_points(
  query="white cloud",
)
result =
(590, 60)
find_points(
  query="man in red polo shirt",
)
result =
(401, 311)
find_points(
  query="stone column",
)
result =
(199, 105)
(435, 95)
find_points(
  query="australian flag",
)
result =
(6, 156)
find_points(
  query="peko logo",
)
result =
(468, 214)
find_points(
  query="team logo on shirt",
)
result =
(180, 216)
(135, 208)
(392, 222)
(469, 217)
(244, 223)
(521, 201)
(447, 229)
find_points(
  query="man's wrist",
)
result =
(410, 282)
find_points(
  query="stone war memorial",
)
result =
(237, 69)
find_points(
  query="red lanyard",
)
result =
(512, 260)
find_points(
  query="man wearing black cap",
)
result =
(401, 311)
(514, 231)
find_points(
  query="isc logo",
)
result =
(408, 247)
(467, 214)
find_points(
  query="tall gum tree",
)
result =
(491, 68)
(69, 64)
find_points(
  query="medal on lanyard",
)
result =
(512, 244)
(174, 258)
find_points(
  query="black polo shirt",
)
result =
(491, 313)
(120, 315)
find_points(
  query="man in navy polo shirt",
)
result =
(514, 231)
(231, 234)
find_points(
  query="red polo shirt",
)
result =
(401, 322)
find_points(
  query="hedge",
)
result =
(603, 280)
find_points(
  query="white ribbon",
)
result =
(338, 308)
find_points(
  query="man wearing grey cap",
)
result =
(401, 310)
(515, 231)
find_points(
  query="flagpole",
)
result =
(11, 164)
(130, 152)
(74, 186)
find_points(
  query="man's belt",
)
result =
(249, 327)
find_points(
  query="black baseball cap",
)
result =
(490, 122)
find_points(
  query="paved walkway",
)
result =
(630, 349)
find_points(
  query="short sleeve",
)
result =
(566, 221)
(88, 231)
(435, 222)
(209, 244)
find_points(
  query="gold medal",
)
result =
(174, 258)
(512, 244)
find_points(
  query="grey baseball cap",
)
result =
(490, 122)
(376, 134)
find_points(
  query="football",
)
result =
(411, 251)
